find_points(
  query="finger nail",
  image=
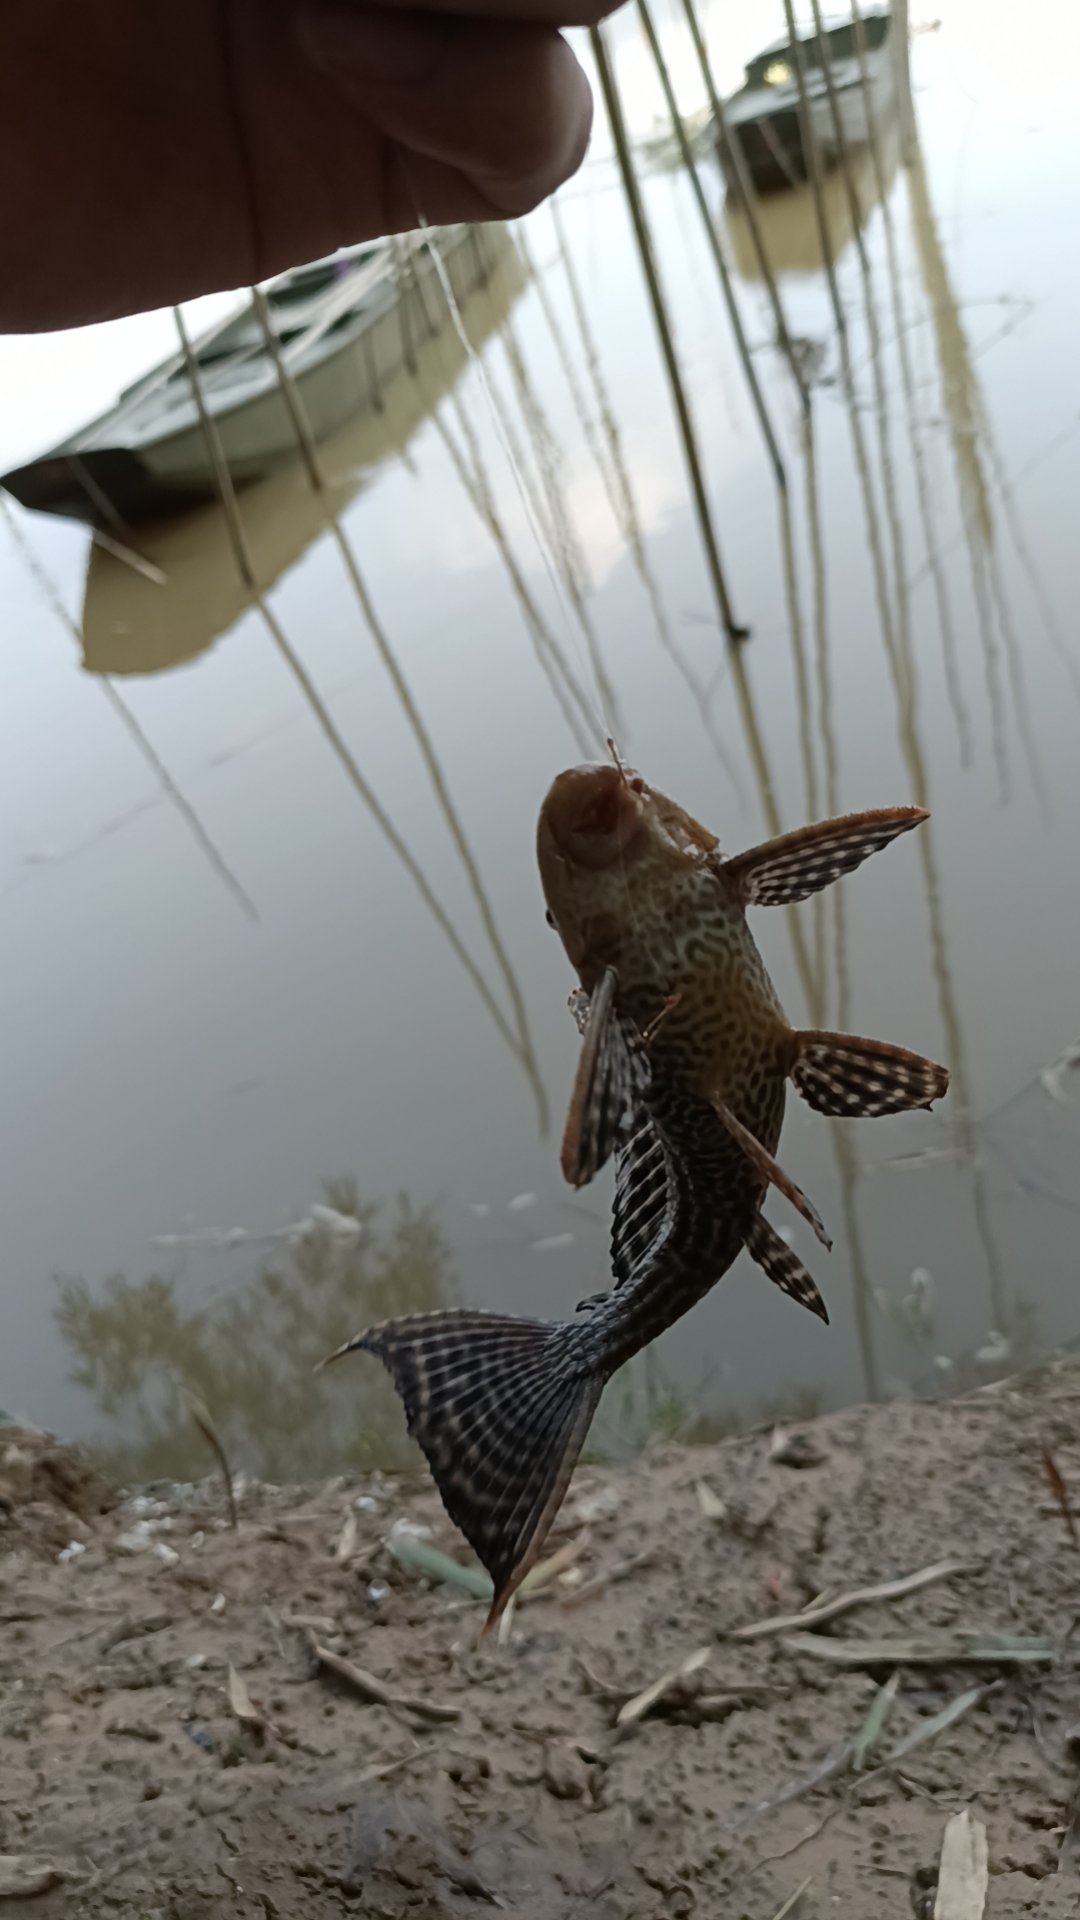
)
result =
(370, 45)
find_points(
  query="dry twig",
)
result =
(1061, 1495)
(816, 1616)
(376, 1691)
(203, 1419)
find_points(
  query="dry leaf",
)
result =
(21, 1874)
(964, 1875)
(346, 1542)
(710, 1503)
(241, 1701)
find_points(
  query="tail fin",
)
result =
(839, 1074)
(501, 1408)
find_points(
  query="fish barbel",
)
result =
(686, 1052)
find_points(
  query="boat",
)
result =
(163, 607)
(763, 116)
(344, 328)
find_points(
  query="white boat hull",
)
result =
(258, 431)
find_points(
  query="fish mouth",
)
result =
(593, 815)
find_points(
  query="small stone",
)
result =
(565, 1773)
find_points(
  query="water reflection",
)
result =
(969, 432)
(607, 451)
(163, 779)
(132, 624)
(538, 497)
(789, 230)
(250, 1354)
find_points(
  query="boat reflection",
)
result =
(788, 226)
(134, 624)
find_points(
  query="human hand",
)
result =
(152, 152)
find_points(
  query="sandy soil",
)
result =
(171, 1746)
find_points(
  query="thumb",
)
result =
(484, 117)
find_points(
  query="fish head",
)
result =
(604, 833)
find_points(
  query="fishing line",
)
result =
(607, 727)
(604, 720)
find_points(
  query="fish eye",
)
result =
(637, 784)
(549, 917)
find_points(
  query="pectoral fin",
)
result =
(770, 1172)
(610, 1077)
(839, 1074)
(783, 1267)
(784, 871)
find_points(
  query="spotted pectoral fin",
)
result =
(783, 1267)
(789, 869)
(770, 1172)
(842, 1075)
(610, 1078)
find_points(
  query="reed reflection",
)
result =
(518, 1041)
(164, 780)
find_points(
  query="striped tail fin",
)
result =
(501, 1407)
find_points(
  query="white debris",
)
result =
(1052, 1078)
(71, 1552)
(480, 1208)
(551, 1243)
(520, 1202)
(167, 1555)
(411, 1527)
(994, 1350)
(137, 1539)
(597, 1505)
(341, 1226)
(217, 1604)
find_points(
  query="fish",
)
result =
(685, 1057)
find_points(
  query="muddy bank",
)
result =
(285, 1720)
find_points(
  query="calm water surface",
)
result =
(272, 934)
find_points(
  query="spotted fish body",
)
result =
(686, 1052)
